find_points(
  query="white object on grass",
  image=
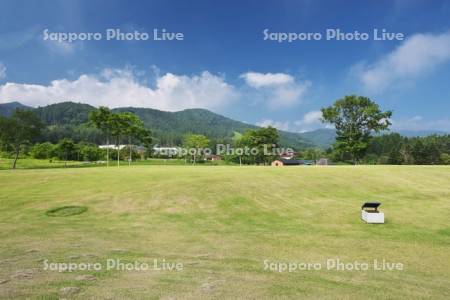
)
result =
(370, 213)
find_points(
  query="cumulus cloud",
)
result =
(310, 121)
(417, 55)
(278, 125)
(258, 80)
(312, 117)
(278, 90)
(121, 87)
(418, 123)
(2, 71)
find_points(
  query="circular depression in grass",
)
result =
(65, 211)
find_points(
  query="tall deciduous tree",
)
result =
(66, 148)
(101, 119)
(262, 139)
(196, 142)
(21, 128)
(133, 127)
(145, 137)
(355, 119)
(119, 124)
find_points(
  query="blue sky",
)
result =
(225, 65)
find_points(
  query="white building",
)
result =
(114, 147)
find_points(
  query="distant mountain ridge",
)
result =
(168, 128)
(322, 137)
(6, 109)
(325, 137)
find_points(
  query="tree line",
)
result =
(261, 141)
(119, 126)
(24, 128)
(398, 150)
(359, 123)
(21, 133)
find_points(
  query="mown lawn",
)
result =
(30, 163)
(222, 223)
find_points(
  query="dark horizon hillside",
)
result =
(6, 109)
(168, 128)
(69, 119)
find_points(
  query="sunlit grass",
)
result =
(222, 223)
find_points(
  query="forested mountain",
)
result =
(64, 113)
(170, 127)
(69, 119)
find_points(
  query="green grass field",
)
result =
(30, 163)
(222, 223)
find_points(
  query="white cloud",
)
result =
(312, 117)
(172, 92)
(310, 121)
(124, 87)
(417, 55)
(258, 80)
(278, 125)
(115, 88)
(2, 71)
(418, 123)
(278, 90)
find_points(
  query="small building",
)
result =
(287, 155)
(323, 162)
(213, 157)
(140, 150)
(286, 162)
